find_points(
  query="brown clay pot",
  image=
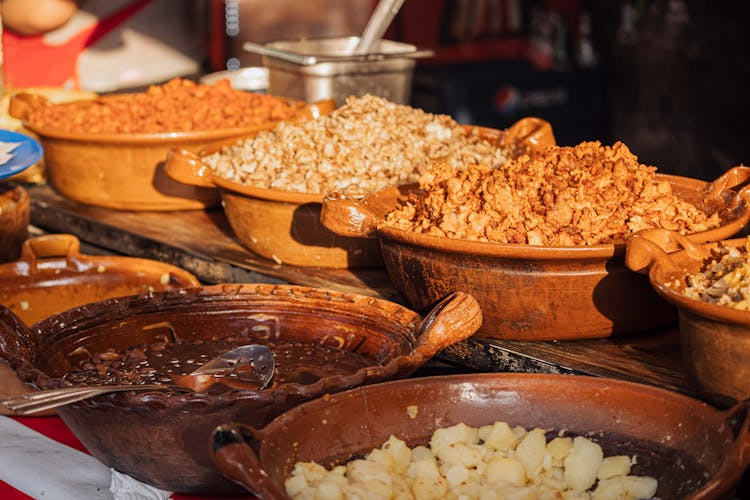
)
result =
(51, 275)
(14, 220)
(714, 339)
(125, 171)
(676, 439)
(161, 438)
(285, 226)
(532, 292)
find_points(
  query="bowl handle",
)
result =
(530, 133)
(347, 216)
(649, 247)
(51, 246)
(187, 167)
(16, 340)
(454, 318)
(737, 419)
(21, 105)
(731, 179)
(235, 458)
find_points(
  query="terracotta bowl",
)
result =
(14, 220)
(714, 339)
(51, 275)
(160, 437)
(126, 171)
(692, 449)
(285, 226)
(532, 292)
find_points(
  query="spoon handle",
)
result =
(37, 401)
(381, 18)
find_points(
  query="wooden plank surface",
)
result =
(202, 242)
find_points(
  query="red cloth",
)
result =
(55, 429)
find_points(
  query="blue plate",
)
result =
(28, 152)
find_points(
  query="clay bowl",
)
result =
(532, 292)
(714, 339)
(676, 439)
(51, 275)
(160, 437)
(126, 171)
(285, 226)
(14, 220)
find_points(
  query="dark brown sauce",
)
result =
(160, 362)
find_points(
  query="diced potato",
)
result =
(459, 453)
(575, 495)
(582, 464)
(446, 436)
(383, 458)
(429, 488)
(328, 490)
(625, 488)
(365, 470)
(506, 470)
(423, 468)
(295, 484)
(501, 437)
(530, 452)
(618, 465)
(559, 448)
(400, 452)
(456, 475)
(421, 453)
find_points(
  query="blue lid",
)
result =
(28, 152)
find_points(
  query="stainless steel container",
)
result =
(324, 68)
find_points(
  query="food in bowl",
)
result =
(367, 144)
(176, 106)
(488, 462)
(588, 194)
(724, 278)
(163, 361)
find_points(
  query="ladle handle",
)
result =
(376, 26)
(454, 318)
(235, 458)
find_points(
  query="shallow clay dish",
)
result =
(14, 220)
(285, 226)
(126, 171)
(160, 437)
(694, 450)
(532, 292)
(714, 339)
(51, 275)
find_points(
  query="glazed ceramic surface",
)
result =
(694, 450)
(532, 292)
(714, 339)
(125, 171)
(14, 220)
(285, 226)
(161, 438)
(51, 275)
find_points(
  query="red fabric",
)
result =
(55, 429)
(30, 61)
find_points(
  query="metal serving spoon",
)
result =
(253, 363)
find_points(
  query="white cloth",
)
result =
(45, 469)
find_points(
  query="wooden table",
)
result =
(202, 243)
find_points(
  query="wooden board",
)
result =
(202, 242)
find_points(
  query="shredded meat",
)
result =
(563, 196)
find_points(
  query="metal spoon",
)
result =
(258, 358)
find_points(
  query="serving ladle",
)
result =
(252, 366)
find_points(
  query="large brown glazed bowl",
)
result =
(126, 171)
(714, 339)
(285, 226)
(532, 292)
(51, 275)
(14, 220)
(161, 438)
(692, 449)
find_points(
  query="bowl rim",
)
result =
(716, 312)
(530, 252)
(406, 318)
